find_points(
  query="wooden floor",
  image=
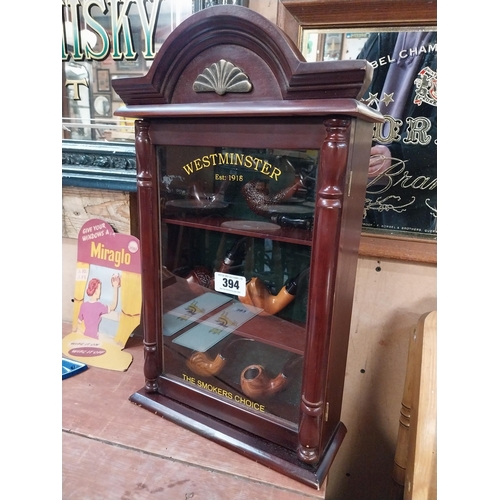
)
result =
(115, 450)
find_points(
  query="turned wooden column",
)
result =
(326, 232)
(149, 220)
(400, 458)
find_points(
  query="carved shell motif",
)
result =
(222, 77)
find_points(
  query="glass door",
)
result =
(236, 231)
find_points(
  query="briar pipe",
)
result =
(260, 201)
(258, 295)
(256, 383)
(230, 257)
(203, 365)
(201, 275)
(297, 222)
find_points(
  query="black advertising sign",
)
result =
(401, 193)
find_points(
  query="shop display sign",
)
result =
(401, 194)
(108, 297)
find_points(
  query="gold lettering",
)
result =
(239, 159)
(248, 161)
(266, 168)
(188, 168)
(386, 178)
(388, 131)
(417, 131)
(188, 378)
(99, 251)
(421, 182)
(223, 158)
(257, 161)
(210, 387)
(275, 173)
(95, 250)
(397, 175)
(250, 403)
(76, 87)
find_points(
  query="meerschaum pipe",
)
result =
(201, 364)
(258, 295)
(256, 383)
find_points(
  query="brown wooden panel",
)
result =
(96, 469)
(355, 13)
(398, 248)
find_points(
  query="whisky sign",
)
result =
(115, 42)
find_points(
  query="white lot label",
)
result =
(230, 283)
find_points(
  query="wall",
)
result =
(387, 305)
(267, 8)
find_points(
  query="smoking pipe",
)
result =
(259, 200)
(201, 364)
(257, 384)
(258, 295)
(298, 222)
(197, 194)
(230, 258)
(201, 275)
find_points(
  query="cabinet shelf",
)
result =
(216, 223)
(271, 330)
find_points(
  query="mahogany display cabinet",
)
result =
(251, 169)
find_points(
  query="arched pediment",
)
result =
(233, 53)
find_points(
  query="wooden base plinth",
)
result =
(253, 447)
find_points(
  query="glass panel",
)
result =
(236, 232)
(401, 195)
(103, 42)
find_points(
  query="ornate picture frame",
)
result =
(297, 16)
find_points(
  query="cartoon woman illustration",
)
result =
(92, 310)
